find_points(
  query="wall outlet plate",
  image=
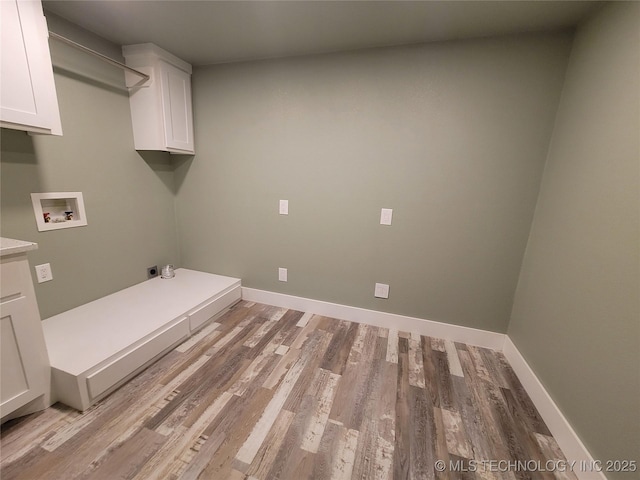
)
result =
(381, 291)
(282, 274)
(284, 207)
(386, 214)
(43, 272)
(152, 271)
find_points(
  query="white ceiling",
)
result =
(208, 32)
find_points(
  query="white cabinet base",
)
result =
(97, 347)
(25, 374)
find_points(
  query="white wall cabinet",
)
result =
(161, 109)
(25, 374)
(27, 92)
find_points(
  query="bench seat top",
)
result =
(83, 337)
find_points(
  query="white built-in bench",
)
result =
(96, 347)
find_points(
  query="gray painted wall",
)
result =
(576, 314)
(128, 200)
(452, 136)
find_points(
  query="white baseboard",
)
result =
(456, 333)
(568, 440)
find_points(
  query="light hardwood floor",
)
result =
(270, 393)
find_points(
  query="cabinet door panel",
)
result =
(18, 95)
(27, 92)
(16, 370)
(178, 118)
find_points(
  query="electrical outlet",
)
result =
(385, 216)
(43, 273)
(152, 271)
(381, 291)
(284, 207)
(282, 274)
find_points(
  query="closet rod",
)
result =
(110, 60)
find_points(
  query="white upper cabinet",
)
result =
(161, 109)
(27, 90)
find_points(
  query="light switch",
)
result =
(284, 207)
(381, 291)
(43, 272)
(282, 274)
(385, 216)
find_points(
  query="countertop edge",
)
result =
(10, 246)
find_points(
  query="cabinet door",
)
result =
(17, 370)
(27, 92)
(176, 106)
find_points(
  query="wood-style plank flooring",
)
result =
(270, 393)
